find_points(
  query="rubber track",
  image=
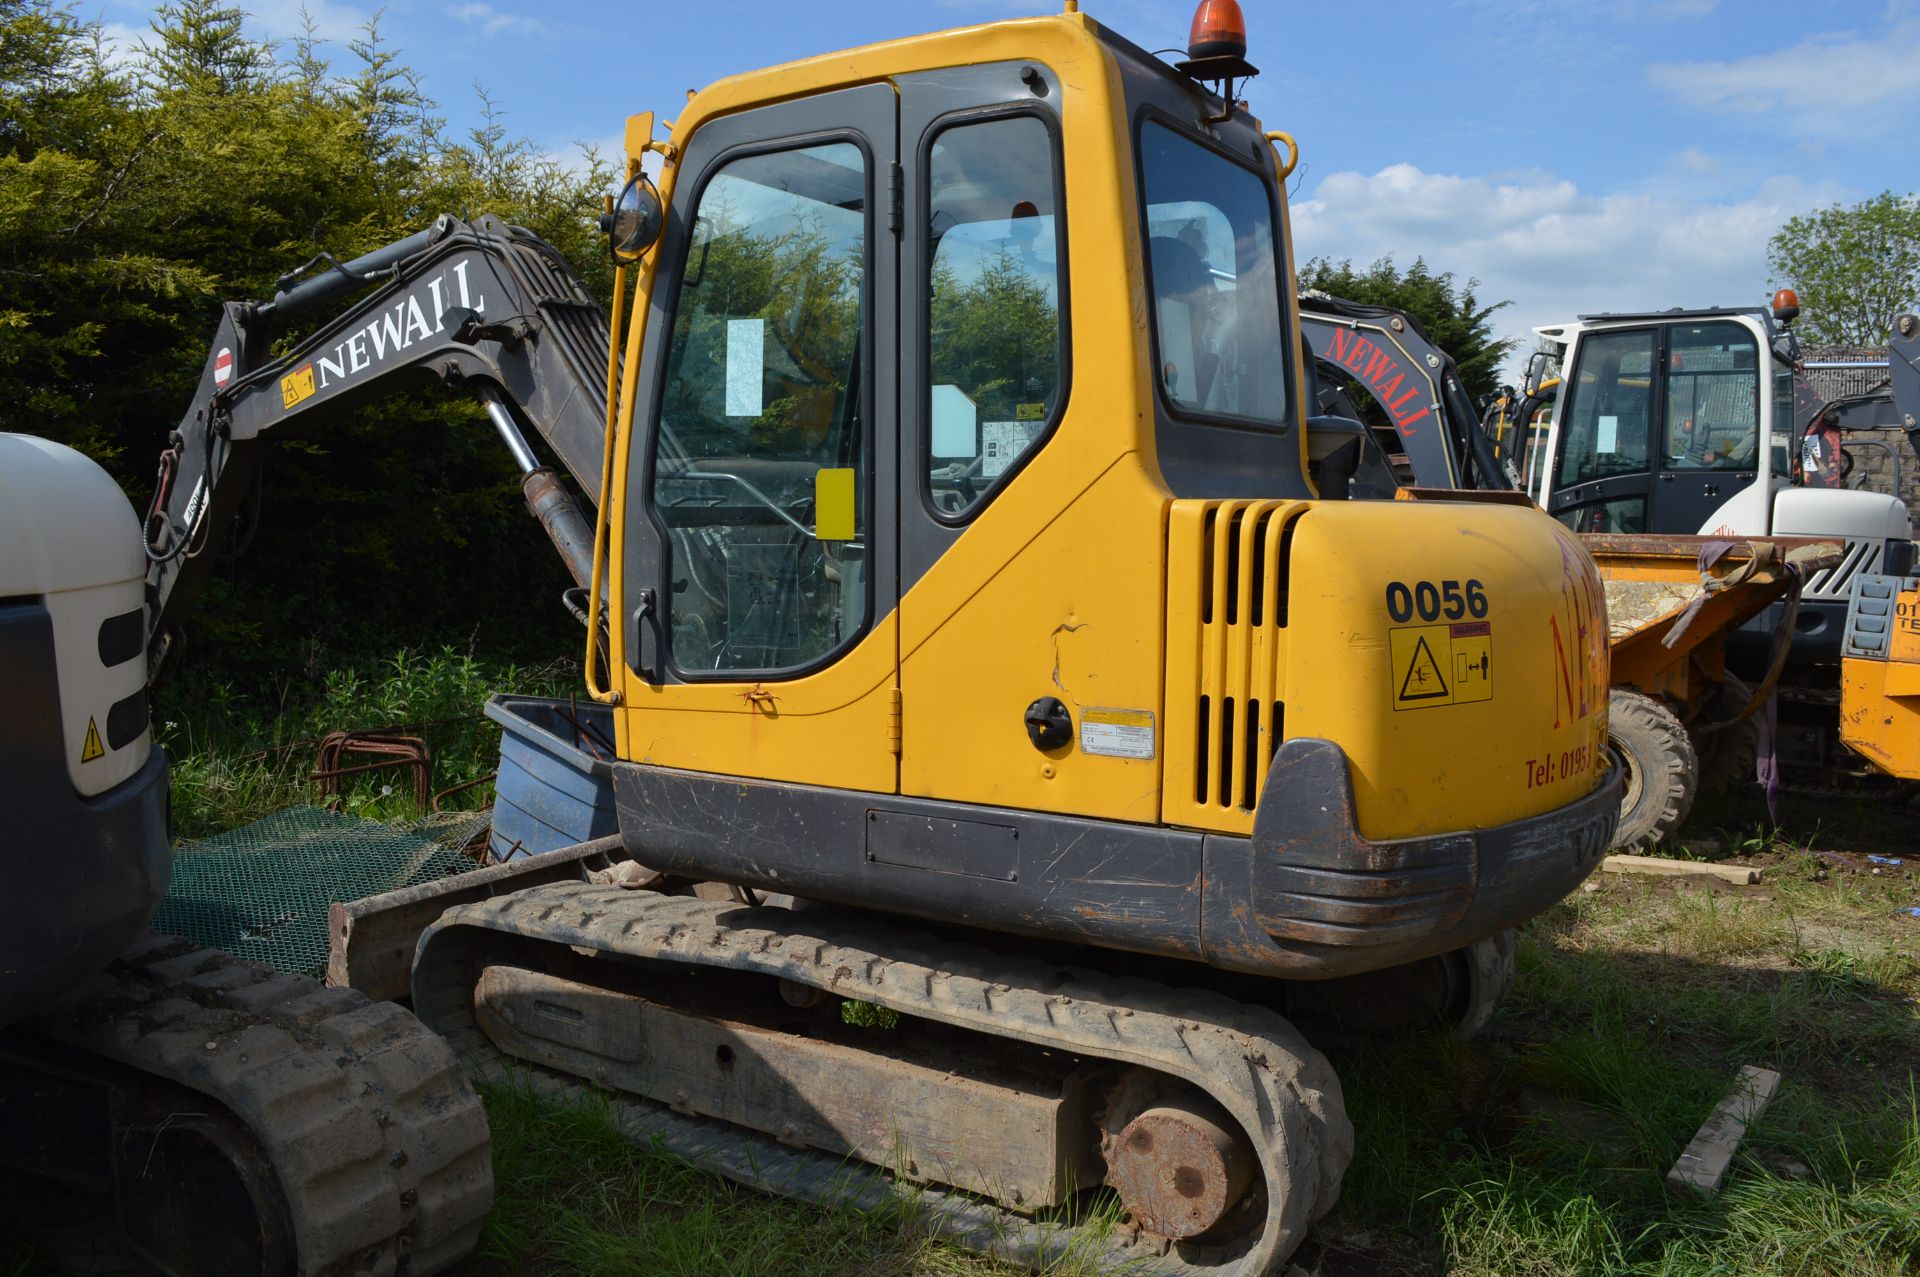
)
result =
(379, 1142)
(1280, 1089)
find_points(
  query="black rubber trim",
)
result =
(123, 637)
(126, 720)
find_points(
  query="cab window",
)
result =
(1609, 406)
(1213, 267)
(761, 470)
(1713, 398)
(994, 333)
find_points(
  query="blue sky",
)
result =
(1573, 155)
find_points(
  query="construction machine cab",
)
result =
(961, 506)
(1694, 421)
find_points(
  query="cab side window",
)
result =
(1713, 397)
(761, 463)
(995, 367)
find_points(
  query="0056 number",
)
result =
(1432, 602)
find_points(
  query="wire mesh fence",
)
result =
(262, 891)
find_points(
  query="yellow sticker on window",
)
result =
(296, 386)
(833, 505)
(1030, 412)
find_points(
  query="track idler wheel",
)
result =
(1180, 1167)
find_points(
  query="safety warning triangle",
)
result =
(1424, 680)
(92, 749)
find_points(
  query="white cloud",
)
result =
(1552, 249)
(571, 155)
(1823, 83)
(1664, 10)
(287, 20)
(120, 44)
(490, 22)
(1693, 160)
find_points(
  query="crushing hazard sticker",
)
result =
(296, 386)
(1441, 664)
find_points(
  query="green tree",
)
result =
(1855, 266)
(138, 194)
(997, 337)
(1451, 313)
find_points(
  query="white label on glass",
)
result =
(1608, 439)
(1178, 356)
(956, 431)
(1002, 442)
(746, 366)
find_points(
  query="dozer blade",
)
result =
(1026, 1099)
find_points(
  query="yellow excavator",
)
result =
(963, 561)
(988, 640)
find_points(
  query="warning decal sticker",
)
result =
(93, 748)
(1441, 664)
(1117, 733)
(296, 386)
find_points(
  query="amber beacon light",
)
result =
(1219, 31)
(1217, 43)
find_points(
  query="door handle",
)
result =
(646, 638)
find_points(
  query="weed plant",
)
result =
(239, 753)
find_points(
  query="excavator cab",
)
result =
(962, 511)
(967, 580)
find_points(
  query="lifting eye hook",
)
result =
(1275, 138)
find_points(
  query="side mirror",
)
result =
(634, 222)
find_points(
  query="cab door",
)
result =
(1602, 477)
(1711, 419)
(984, 388)
(760, 512)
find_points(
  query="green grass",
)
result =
(1541, 1148)
(574, 1197)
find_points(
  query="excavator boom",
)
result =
(483, 305)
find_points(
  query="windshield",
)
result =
(1213, 267)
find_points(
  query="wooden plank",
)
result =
(1669, 868)
(1703, 1167)
(1010, 1137)
(370, 942)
